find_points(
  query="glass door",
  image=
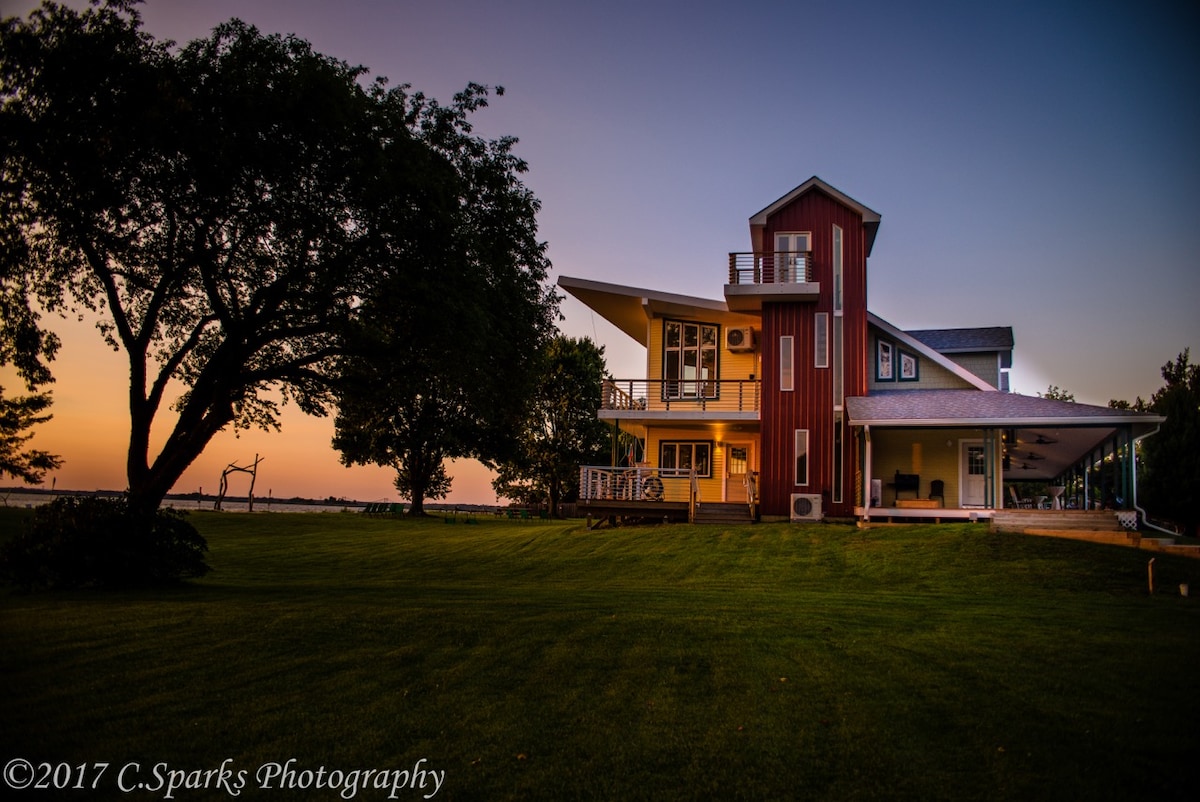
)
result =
(791, 257)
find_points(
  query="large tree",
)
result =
(560, 430)
(226, 209)
(413, 397)
(1171, 486)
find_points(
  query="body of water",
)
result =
(19, 499)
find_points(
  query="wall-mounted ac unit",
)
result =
(806, 507)
(740, 338)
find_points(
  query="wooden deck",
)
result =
(909, 513)
(615, 510)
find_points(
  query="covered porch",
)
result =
(964, 454)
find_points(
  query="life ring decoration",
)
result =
(653, 489)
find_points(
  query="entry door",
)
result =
(790, 264)
(737, 464)
(973, 474)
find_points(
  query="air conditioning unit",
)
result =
(806, 507)
(739, 338)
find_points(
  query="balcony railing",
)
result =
(771, 267)
(664, 395)
(599, 483)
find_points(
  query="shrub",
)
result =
(100, 542)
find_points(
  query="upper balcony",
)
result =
(770, 276)
(681, 400)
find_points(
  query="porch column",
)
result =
(867, 472)
(1126, 435)
(989, 469)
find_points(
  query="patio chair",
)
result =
(937, 489)
(1020, 503)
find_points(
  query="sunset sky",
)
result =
(1035, 166)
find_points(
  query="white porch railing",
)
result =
(597, 483)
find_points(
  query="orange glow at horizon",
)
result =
(90, 431)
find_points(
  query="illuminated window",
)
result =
(689, 360)
(684, 456)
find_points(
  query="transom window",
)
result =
(689, 360)
(685, 456)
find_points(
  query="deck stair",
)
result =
(1094, 526)
(1056, 520)
(719, 513)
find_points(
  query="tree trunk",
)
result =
(195, 427)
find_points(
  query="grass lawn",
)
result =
(540, 660)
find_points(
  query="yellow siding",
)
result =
(931, 376)
(985, 366)
(924, 453)
(739, 365)
(711, 489)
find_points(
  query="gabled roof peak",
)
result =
(870, 217)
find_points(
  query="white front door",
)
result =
(972, 474)
(737, 465)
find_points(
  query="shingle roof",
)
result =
(948, 341)
(982, 408)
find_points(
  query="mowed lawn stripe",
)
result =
(541, 660)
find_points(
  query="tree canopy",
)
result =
(1171, 486)
(17, 416)
(229, 209)
(560, 430)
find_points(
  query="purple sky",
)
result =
(1035, 164)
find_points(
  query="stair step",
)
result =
(1062, 520)
(720, 513)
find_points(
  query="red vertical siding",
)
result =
(810, 405)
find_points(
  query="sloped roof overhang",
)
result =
(947, 408)
(919, 347)
(629, 308)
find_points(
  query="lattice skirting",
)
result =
(1128, 519)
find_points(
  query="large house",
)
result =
(789, 399)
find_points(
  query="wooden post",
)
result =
(1150, 573)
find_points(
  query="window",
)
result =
(883, 362)
(838, 464)
(910, 368)
(792, 254)
(976, 461)
(689, 360)
(786, 374)
(839, 391)
(837, 270)
(802, 456)
(683, 456)
(821, 339)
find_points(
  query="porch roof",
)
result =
(946, 408)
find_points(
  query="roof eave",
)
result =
(870, 217)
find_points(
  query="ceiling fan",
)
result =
(1033, 456)
(1042, 440)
